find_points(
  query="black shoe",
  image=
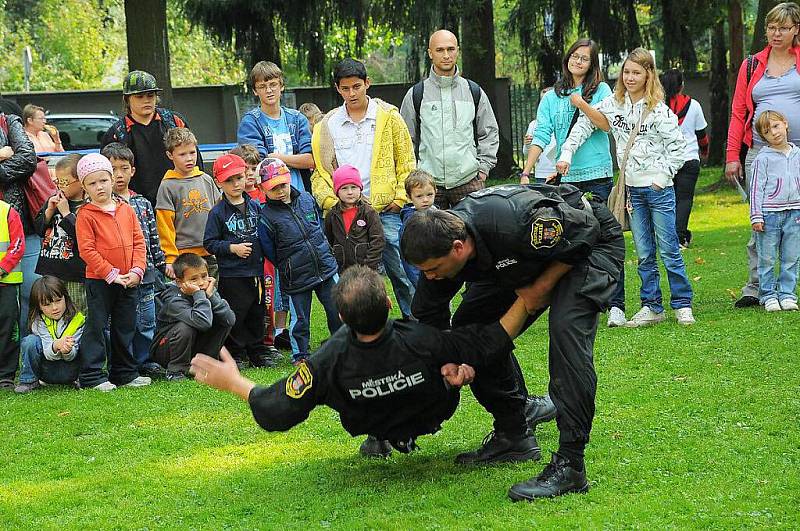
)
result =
(264, 360)
(373, 447)
(556, 479)
(282, 341)
(746, 302)
(274, 354)
(240, 364)
(175, 376)
(153, 370)
(7, 385)
(499, 448)
(539, 409)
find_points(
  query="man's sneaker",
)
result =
(500, 448)
(282, 341)
(789, 305)
(684, 316)
(23, 388)
(746, 301)
(539, 409)
(274, 354)
(616, 317)
(152, 369)
(645, 317)
(175, 376)
(374, 447)
(105, 387)
(139, 381)
(772, 305)
(556, 479)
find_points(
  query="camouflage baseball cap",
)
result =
(139, 81)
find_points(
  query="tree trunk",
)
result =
(718, 88)
(478, 63)
(736, 31)
(759, 30)
(148, 44)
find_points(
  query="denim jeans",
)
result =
(300, 329)
(653, 223)
(750, 288)
(145, 324)
(33, 246)
(403, 289)
(781, 236)
(36, 367)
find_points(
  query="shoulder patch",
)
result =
(545, 233)
(298, 383)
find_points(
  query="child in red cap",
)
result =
(352, 227)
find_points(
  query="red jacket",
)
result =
(109, 242)
(16, 242)
(740, 129)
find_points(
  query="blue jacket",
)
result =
(293, 240)
(227, 225)
(253, 130)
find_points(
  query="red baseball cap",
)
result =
(227, 166)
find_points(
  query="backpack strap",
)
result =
(475, 90)
(752, 64)
(416, 96)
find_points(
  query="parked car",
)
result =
(81, 131)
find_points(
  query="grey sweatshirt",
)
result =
(197, 310)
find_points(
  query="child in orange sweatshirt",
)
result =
(110, 241)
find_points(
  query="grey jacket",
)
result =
(197, 310)
(446, 142)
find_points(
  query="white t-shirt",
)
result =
(694, 121)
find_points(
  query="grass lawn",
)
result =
(695, 427)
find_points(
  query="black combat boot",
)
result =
(374, 447)
(557, 478)
(502, 448)
(539, 409)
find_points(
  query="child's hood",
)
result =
(172, 174)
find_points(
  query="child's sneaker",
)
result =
(105, 387)
(684, 316)
(772, 305)
(139, 381)
(789, 305)
(645, 317)
(616, 317)
(23, 388)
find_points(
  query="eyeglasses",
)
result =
(272, 85)
(780, 30)
(580, 58)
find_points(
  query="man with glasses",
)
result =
(452, 125)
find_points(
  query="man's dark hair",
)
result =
(430, 234)
(349, 68)
(186, 261)
(119, 151)
(360, 297)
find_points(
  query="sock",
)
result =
(573, 452)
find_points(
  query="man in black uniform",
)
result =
(552, 247)
(384, 377)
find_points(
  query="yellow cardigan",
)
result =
(392, 160)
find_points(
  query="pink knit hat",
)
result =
(346, 174)
(91, 163)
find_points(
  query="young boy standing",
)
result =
(12, 248)
(292, 239)
(352, 227)
(122, 162)
(193, 318)
(110, 241)
(277, 132)
(421, 191)
(185, 198)
(231, 235)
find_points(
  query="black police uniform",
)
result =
(518, 232)
(390, 388)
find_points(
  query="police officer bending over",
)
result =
(552, 247)
(384, 377)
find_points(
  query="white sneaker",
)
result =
(105, 387)
(789, 305)
(772, 305)
(616, 317)
(684, 316)
(139, 381)
(645, 317)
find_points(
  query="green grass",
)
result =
(695, 427)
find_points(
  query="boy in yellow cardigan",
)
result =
(369, 134)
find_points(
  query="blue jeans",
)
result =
(300, 303)
(781, 236)
(653, 222)
(403, 289)
(33, 246)
(145, 324)
(36, 367)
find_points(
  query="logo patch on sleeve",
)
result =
(298, 383)
(546, 233)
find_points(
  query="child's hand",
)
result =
(576, 100)
(562, 167)
(62, 205)
(758, 227)
(122, 280)
(58, 346)
(133, 280)
(210, 286)
(52, 203)
(242, 250)
(67, 343)
(169, 271)
(188, 288)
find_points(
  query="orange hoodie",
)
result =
(110, 242)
